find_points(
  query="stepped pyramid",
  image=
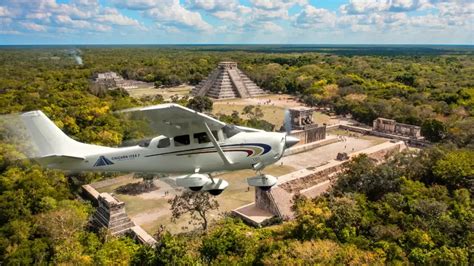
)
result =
(227, 81)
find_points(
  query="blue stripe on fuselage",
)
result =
(266, 148)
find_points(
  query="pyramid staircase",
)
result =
(226, 82)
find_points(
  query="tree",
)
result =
(230, 242)
(196, 204)
(407, 79)
(362, 175)
(116, 251)
(253, 112)
(456, 169)
(433, 130)
(147, 179)
(200, 104)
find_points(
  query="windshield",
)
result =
(231, 130)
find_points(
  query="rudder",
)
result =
(47, 137)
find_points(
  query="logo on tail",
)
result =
(103, 161)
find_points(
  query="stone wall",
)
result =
(392, 127)
(310, 135)
(324, 173)
(332, 167)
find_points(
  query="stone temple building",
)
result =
(111, 214)
(303, 126)
(226, 82)
(392, 127)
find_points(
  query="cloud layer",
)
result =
(234, 21)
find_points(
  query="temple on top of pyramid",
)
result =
(226, 82)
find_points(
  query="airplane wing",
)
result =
(249, 129)
(174, 120)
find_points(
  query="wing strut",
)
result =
(221, 153)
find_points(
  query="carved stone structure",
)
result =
(226, 82)
(301, 118)
(112, 80)
(303, 127)
(111, 214)
(392, 127)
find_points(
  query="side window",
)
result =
(181, 140)
(144, 143)
(214, 133)
(202, 137)
(164, 143)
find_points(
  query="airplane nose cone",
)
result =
(290, 141)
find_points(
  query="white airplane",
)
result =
(191, 143)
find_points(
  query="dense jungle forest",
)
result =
(414, 208)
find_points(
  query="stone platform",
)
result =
(111, 214)
(310, 182)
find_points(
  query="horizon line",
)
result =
(250, 44)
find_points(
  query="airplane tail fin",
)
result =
(51, 141)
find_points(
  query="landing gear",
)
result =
(216, 186)
(215, 192)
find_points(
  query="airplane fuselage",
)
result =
(245, 150)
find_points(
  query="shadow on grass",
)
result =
(136, 188)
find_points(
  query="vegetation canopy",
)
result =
(414, 208)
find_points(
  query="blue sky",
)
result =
(237, 21)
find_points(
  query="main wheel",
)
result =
(265, 188)
(195, 188)
(215, 192)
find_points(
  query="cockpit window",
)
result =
(144, 143)
(164, 143)
(181, 140)
(230, 131)
(202, 137)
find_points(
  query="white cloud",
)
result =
(48, 15)
(213, 5)
(136, 4)
(226, 15)
(3, 11)
(174, 14)
(312, 17)
(113, 16)
(368, 6)
(32, 26)
(263, 27)
(276, 4)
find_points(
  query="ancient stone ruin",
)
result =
(112, 80)
(392, 127)
(303, 127)
(111, 214)
(226, 82)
